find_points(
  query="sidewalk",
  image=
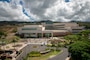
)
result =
(68, 58)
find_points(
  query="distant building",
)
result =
(48, 30)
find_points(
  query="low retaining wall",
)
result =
(44, 52)
(24, 52)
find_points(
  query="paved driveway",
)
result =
(61, 56)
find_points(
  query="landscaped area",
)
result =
(78, 45)
(46, 56)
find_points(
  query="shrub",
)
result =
(34, 54)
(47, 49)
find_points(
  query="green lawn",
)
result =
(44, 56)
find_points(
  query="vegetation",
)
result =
(79, 45)
(8, 32)
(81, 36)
(43, 56)
(2, 34)
(2, 38)
(84, 35)
(71, 38)
(34, 54)
(56, 43)
(86, 24)
(80, 50)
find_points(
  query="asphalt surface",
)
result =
(29, 48)
(61, 56)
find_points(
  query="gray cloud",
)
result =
(56, 10)
(38, 7)
(9, 13)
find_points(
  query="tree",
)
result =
(2, 34)
(84, 34)
(71, 38)
(80, 50)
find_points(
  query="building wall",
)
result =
(57, 29)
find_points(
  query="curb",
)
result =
(56, 55)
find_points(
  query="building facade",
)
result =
(48, 30)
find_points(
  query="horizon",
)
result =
(42, 21)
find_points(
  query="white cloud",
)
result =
(56, 10)
(7, 12)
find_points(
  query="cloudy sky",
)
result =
(36, 10)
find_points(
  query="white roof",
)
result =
(33, 25)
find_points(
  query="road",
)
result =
(61, 56)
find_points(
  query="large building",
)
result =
(49, 30)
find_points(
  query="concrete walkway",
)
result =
(61, 56)
(68, 58)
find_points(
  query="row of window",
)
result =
(29, 28)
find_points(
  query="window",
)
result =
(29, 28)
